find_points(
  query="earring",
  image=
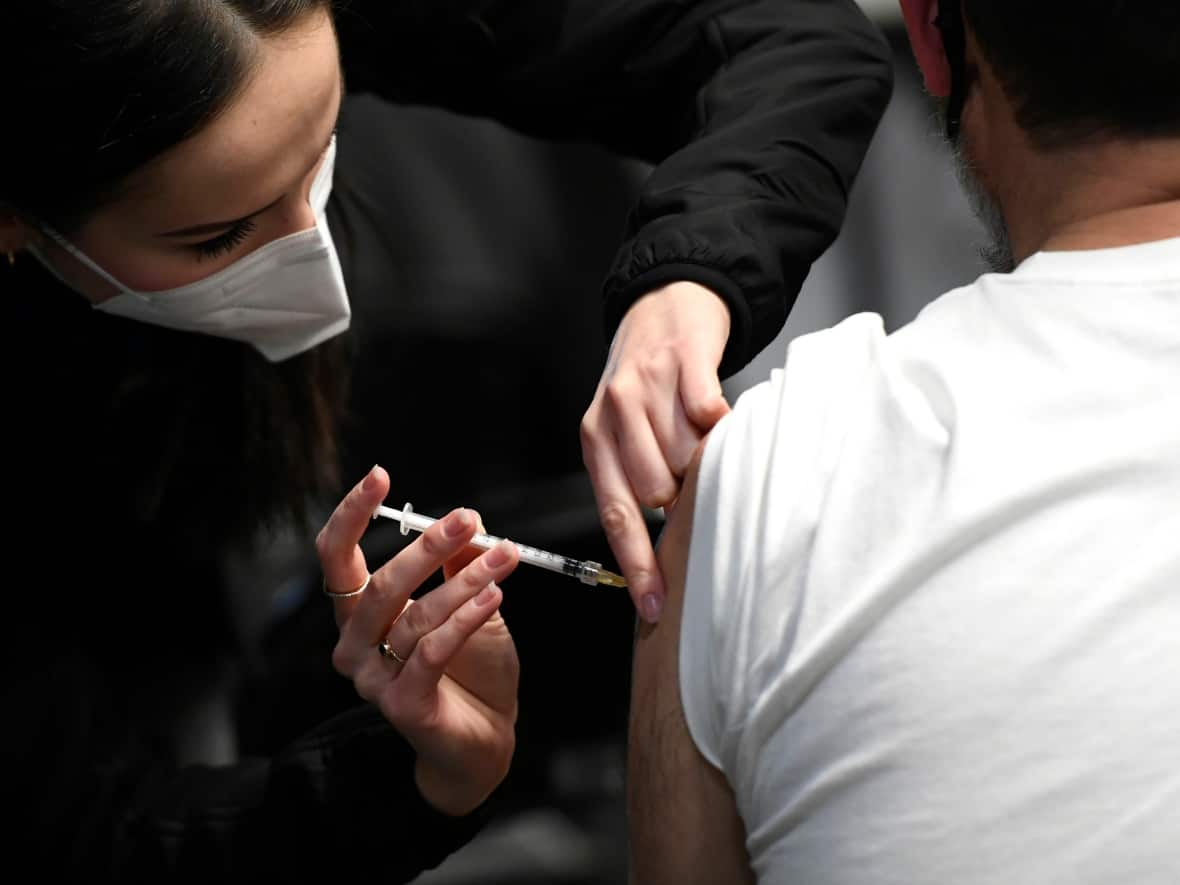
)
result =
(11, 260)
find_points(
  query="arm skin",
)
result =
(683, 818)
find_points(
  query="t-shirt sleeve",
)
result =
(759, 495)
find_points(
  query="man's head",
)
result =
(1045, 83)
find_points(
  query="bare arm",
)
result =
(684, 824)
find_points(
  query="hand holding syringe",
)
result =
(584, 570)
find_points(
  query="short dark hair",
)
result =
(1082, 69)
(101, 87)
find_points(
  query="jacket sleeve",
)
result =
(757, 114)
(99, 800)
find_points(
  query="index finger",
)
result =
(626, 530)
(338, 542)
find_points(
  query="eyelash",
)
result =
(225, 243)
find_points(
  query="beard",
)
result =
(997, 252)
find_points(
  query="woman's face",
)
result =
(238, 184)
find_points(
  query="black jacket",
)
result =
(757, 113)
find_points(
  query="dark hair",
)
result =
(101, 87)
(184, 430)
(1082, 69)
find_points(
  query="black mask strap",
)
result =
(954, 40)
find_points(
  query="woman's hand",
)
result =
(448, 677)
(659, 395)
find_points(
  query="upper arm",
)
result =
(684, 824)
(706, 676)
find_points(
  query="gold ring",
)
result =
(357, 592)
(387, 651)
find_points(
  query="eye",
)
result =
(225, 243)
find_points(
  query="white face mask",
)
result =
(284, 298)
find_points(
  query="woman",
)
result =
(181, 362)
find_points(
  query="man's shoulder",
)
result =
(861, 341)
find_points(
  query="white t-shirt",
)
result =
(932, 622)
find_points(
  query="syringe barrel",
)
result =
(587, 571)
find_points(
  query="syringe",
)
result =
(585, 570)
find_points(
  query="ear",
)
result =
(926, 40)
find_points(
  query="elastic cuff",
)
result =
(740, 322)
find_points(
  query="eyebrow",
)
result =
(215, 226)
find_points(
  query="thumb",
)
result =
(700, 392)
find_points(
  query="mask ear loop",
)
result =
(954, 40)
(74, 251)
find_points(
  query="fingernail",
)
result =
(456, 524)
(498, 555)
(652, 606)
(486, 595)
(371, 480)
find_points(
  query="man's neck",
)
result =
(1097, 197)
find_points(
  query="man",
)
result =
(923, 608)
